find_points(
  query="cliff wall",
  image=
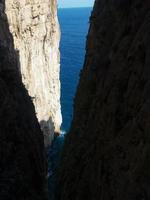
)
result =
(35, 29)
(22, 158)
(106, 153)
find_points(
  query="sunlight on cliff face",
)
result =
(36, 35)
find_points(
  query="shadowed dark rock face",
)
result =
(22, 157)
(107, 151)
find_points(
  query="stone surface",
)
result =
(22, 158)
(106, 153)
(35, 29)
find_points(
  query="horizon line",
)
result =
(75, 7)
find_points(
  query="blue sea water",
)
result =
(74, 24)
(74, 27)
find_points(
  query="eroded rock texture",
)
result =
(35, 30)
(22, 160)
(107, 152)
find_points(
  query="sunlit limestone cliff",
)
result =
(35, 29)
(22, 159)
(107, 151)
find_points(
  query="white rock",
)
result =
(35, 29)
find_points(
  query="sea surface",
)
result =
(74, 24)
(74, 27)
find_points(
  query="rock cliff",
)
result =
(22, 160)
(35, 30)
(106, 153)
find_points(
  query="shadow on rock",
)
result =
(22, 159)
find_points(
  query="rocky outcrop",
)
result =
(22, 160)
(106, 153)
(36, 35)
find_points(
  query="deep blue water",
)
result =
(74, 24)
(74, 27)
